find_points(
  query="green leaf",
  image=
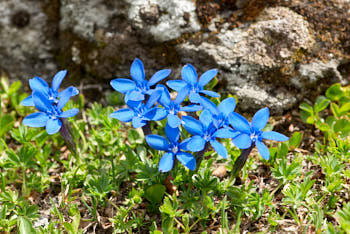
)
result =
(335, 109)
(307, 117)
(344, 108)
(6, 123)
(15, 86)
(25, 226)
(322, 126)
(134, 137)
(295, 140)
(306, 107)
(321, 103)
(155, 193)
(334, 92)
(342, 125)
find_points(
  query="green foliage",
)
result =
(112, 183)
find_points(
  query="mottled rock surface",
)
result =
(269, 53)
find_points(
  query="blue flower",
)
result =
(204, 131)
(52, 94)
(173, 107)
(173, 148)
(251, 133)
(50, 113)
(222, 113)
(190, 84)
(136, 88)
(139, 113)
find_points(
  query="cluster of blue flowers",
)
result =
(148, 101)
(146, 104)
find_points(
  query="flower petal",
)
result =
(242, 141)
(123, 85)
(158, 76)
(164, 99)
(210, 93)
(37, 119)
(219, 148)
(174, 121)
(206, 118)
(53, 126)
(69, 113)
(124, 115)
(134, 96)
(65, 96)
(207, 76)
(195, 144)
(28, 101)
(41, 102)
(189, 74)
(239, 123)
(226, 133)
(157, 142)
(194, 97)
(166, 162)
(182, 94)
(191, 108)
(156, 114)
(263, 150)
(260, 119)
(153, 98)
(38, 84)
(227, 106)
(57, 79)
(183, 144)
(173, 134)
(138, 122)
(192, 125)
(207, 104)
(275, 136)
(176, 85)
(137, 71)
(187, 160)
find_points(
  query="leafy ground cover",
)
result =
(112, 184)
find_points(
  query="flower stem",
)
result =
(66, 133)
(240, 161)
(200, 155)
(147, 129)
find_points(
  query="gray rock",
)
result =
(84, 17)
(257, 61)
(25, 46)
(163, 20)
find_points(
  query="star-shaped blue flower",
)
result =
(222, 112)
(252, 134)
(52, 94)
(140, 113)
(192, 85)
(136, 88)
(173, 107)
(204, 131)
(173, 148)
(50, 113)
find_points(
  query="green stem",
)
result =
(200, 155)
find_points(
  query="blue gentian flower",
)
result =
(140, 113)
(50, 114)
(136, 88)
(251, 133)
(192, 85)
(204, 131)
(173, 107)
(52, 94)
(221, 113)
(173, 148)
